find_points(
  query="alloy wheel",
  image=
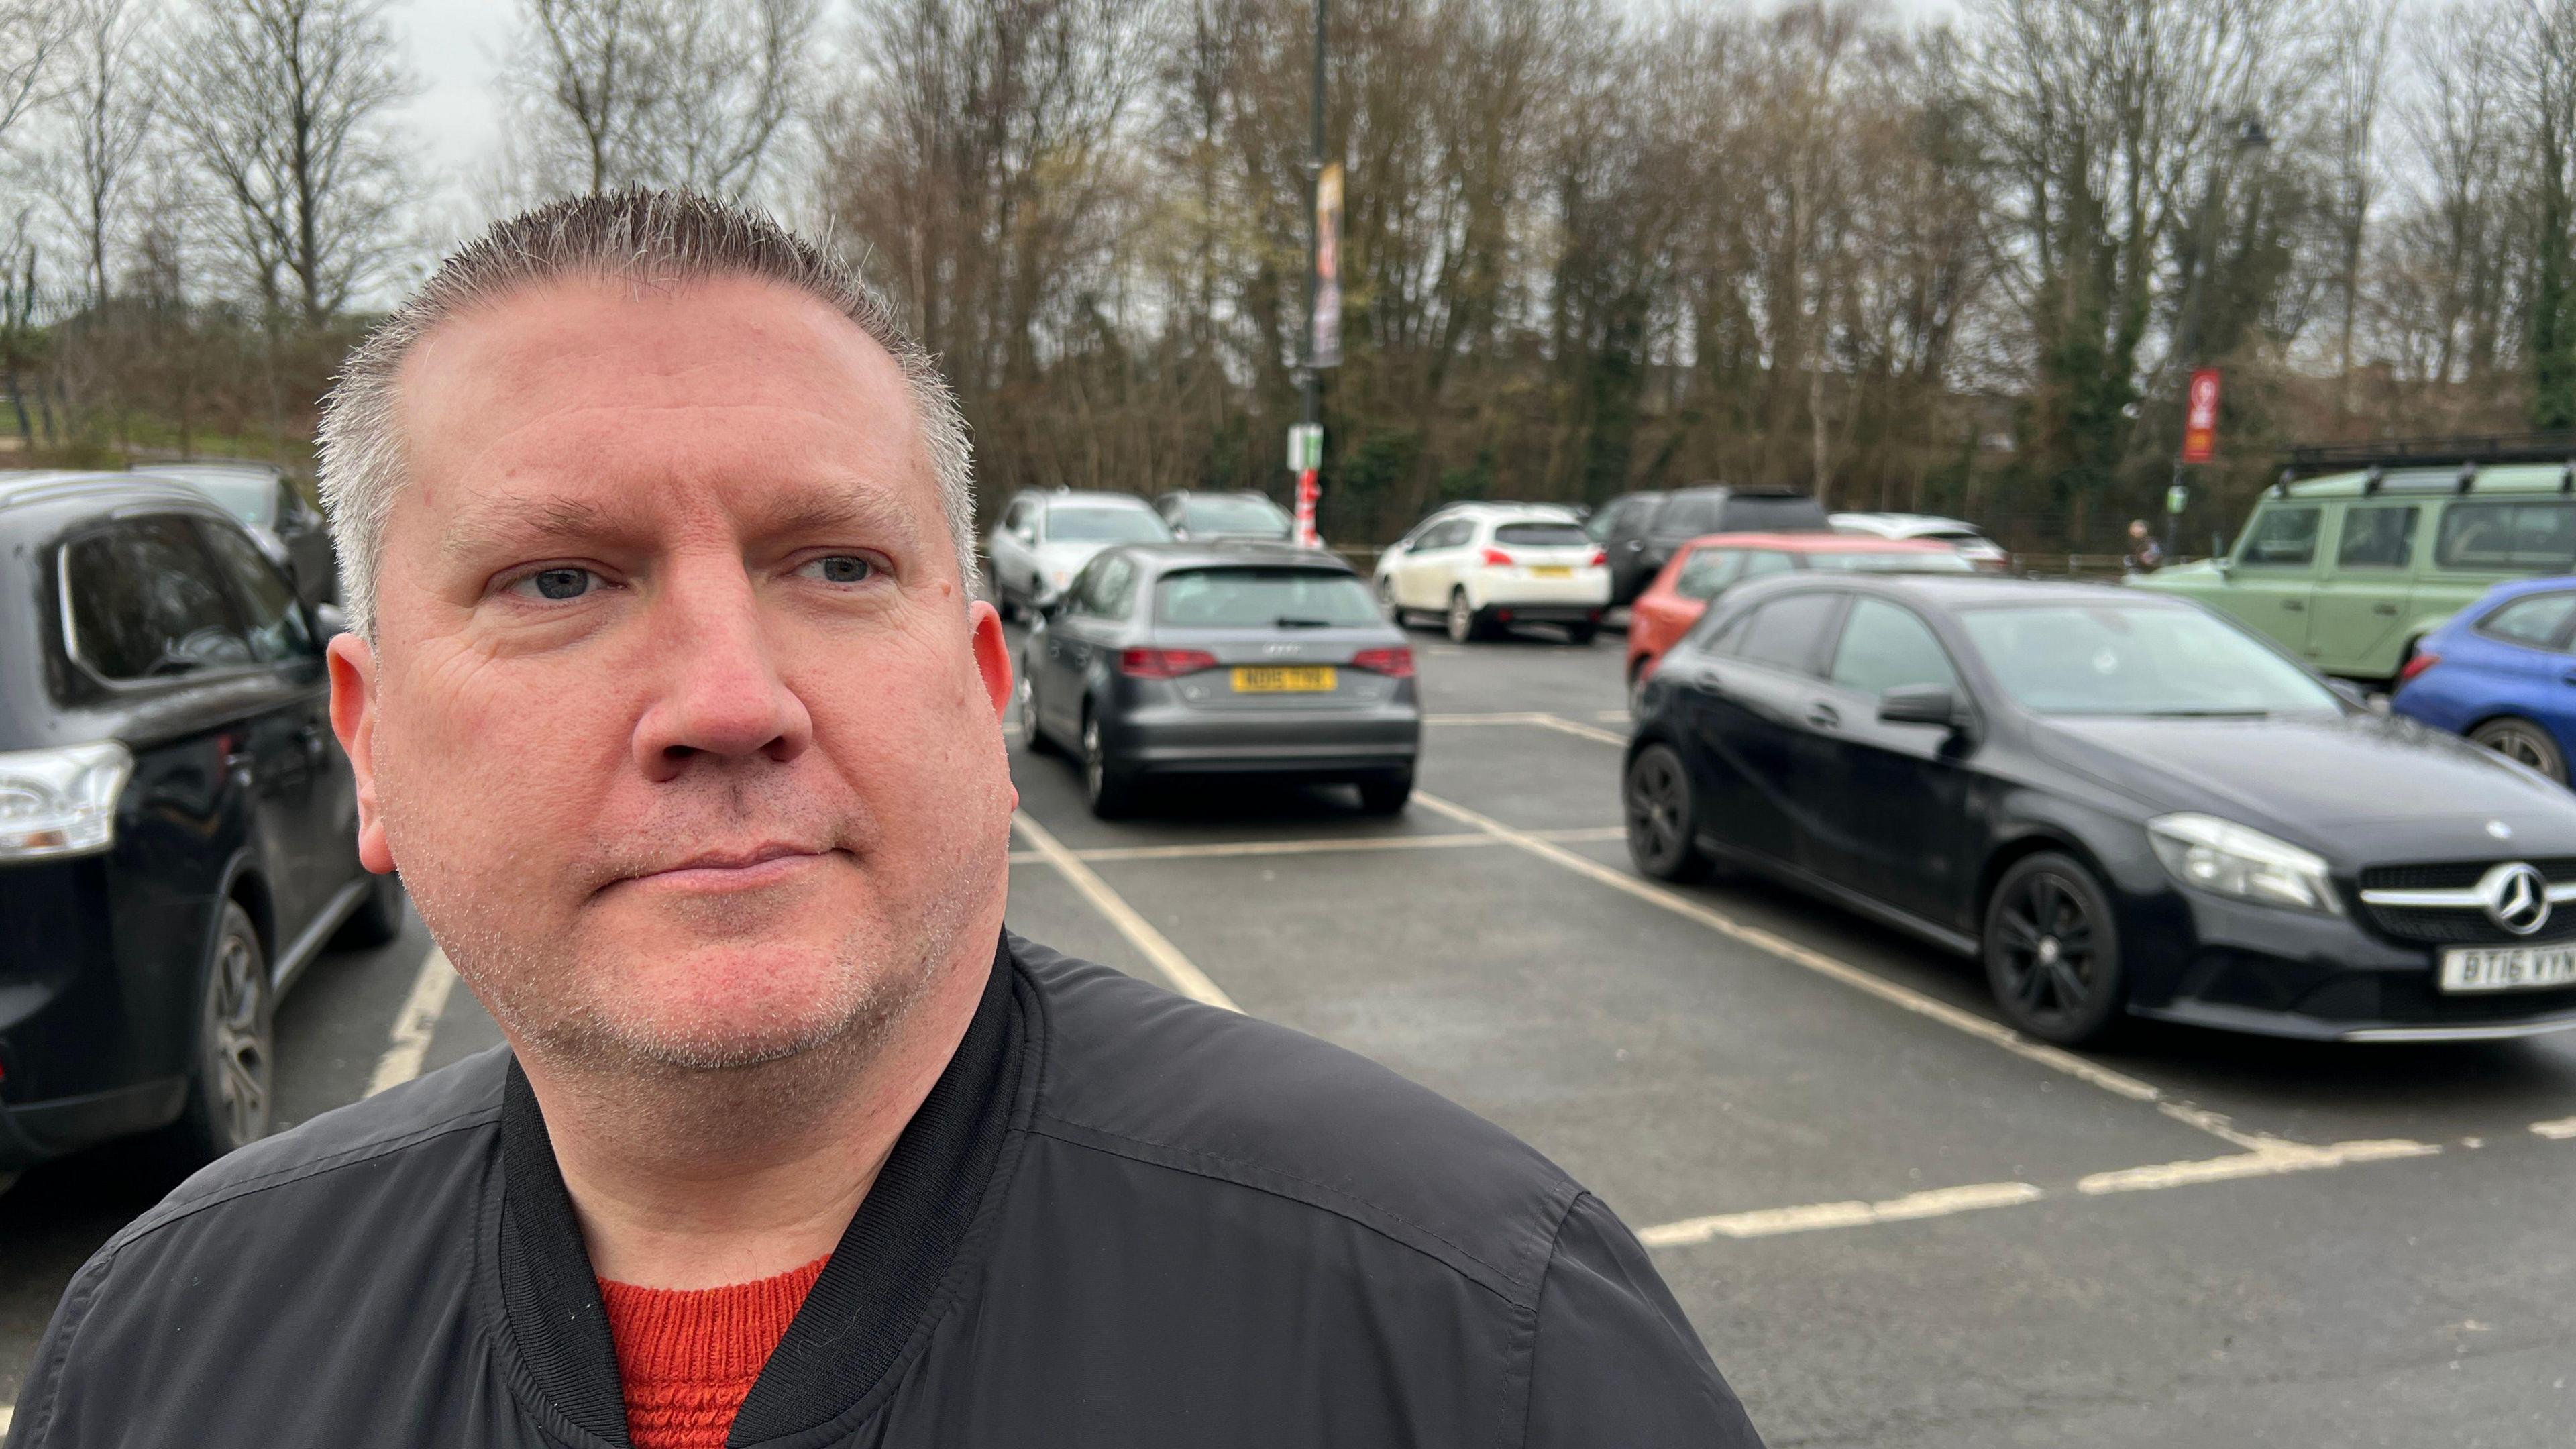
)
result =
(1661, 818)
(1386, 602)
(2524, 743)
(2049, 949)
(237, 1046)
(1462, 618)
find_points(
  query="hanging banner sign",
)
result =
(2200, 417)
(1326, 348)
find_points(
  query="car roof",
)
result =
(1742, 490)
(1819, 543)
(1962, 591)
(102, 489)
(1489, 508)
(2505, 478)
(2516, 588)
(181, 468)
(1085, 497)
(1914, 521)
(1164, 558)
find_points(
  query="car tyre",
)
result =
(1581, 634)
(2052, 951)
(1662, 812)
(1387, 605)
(1387, 796)
(1465, 625)
(1032, 736)
(1110, 790)
(378, 918)
(232, 1083)
(2525, 742)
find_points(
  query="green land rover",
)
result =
(2348, 570)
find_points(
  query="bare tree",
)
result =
(30, 32)
(693, 93)
(283, 104)
(106, 107)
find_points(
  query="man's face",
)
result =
(678, 722)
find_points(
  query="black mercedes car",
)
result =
(2122, 804)
(177, 824)
(1166, 661)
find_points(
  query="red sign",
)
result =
(2200, 417)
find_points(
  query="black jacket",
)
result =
(1120, 1220)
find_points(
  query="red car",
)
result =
(1706, 566)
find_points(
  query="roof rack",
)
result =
(2464, 450)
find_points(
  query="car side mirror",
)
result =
(1924, 704)
(329, 622)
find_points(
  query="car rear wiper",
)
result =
(1289, 623)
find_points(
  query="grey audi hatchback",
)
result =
(1164, 661)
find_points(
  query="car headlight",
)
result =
(2227, 859)
(62, 801)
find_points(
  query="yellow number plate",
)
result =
(1551, 571)
(1306, 680)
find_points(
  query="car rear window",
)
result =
(1758, 514)
(2507, 536)
(1542, 535)
(2536, 620)
(1252, 516)
(1927, 561)
(1105, 525)
(1786, 633)
(1262, 598)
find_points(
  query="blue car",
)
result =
(2503, 673)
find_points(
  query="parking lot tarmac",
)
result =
(1894, 1222)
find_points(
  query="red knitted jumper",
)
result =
(687, 1357)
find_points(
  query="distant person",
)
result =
(2143, 557)
(670, 696)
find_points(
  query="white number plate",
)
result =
(2508, 968)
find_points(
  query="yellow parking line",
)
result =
(416, 1023)
(1531, 717)
(2271, 1160)
(1771, 1222)
(2559, 1130)
(1185, 977)
(1321, 846)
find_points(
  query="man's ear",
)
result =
(992, 654)
(353, 719)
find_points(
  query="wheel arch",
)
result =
(2038, 840)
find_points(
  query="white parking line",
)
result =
(2054, 1058)
(7, 1412)
(2271, 1160)
(1322, 846)
(1771, 1222)
(1186, 978)
(416, 1023)
(1531, 717)
(2559, 1130)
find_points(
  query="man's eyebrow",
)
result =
(496, 524)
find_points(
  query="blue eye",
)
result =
(842, 568)
(558, 583)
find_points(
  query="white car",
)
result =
(1488, 566)
(1982, 553)
(1043, 539)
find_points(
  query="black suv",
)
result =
(177, 823)
(1641, 531)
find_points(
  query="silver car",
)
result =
(1043, 539)
(1174, 661)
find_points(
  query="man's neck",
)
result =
(694, 1179)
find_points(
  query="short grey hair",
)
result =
(647, 239)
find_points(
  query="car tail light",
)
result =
(2417, 665)
(62, 801)
(1497, 559)
(1600, 557)
(1163, 663)
(1395, 663)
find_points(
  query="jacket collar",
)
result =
(882, 1280)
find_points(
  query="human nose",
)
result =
(716, 690)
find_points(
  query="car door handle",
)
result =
(1824, 716)
(2388, 609)
(2294, 605)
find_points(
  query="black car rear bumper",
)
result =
(2326, 978)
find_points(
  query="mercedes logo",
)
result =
(2516, 897)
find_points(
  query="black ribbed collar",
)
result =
(884, 1275)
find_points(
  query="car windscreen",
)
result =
(1882, 562)
(1542, 535)
(1104, 525)
(1247, 517)
(1244, 597)
(1759, 513)
(2125, 659)
(248, 497)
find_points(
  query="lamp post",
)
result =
(1309, 452)
(2250, 138)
